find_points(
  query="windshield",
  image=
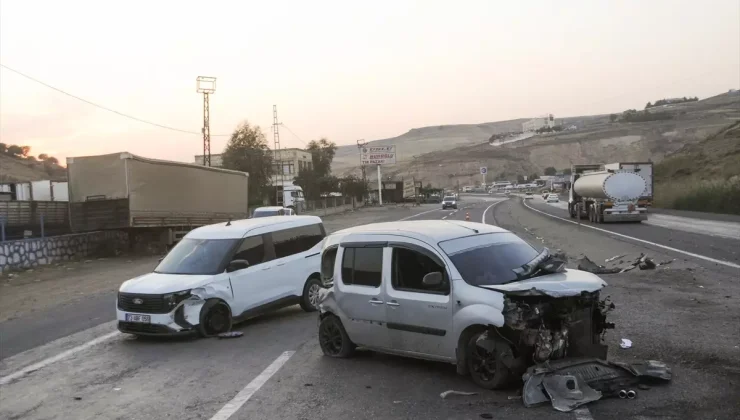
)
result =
(489, 259)
(266, 213)
(196, 256)
(448, 198)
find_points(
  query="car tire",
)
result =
(333, 338)
(309, 300)
(215, 318)
(479, 366)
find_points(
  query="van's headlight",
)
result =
(173, 299)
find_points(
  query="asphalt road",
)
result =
(687, 317)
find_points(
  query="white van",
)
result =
(221, 274)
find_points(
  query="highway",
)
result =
(685, 314)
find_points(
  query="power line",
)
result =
(294, 134)
(141, 120)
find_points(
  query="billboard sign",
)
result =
(378, 155)
(409, 189)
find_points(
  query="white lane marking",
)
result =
(483, 220)
(46, 362)
(418, 214)
(691, 254)
(444, 218)
(245, 394)
(583, 414)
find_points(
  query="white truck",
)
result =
(645, 170)
(129, 192)
(287, 195)
(606, 196)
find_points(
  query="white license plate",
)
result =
(144, 319)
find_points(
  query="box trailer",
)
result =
(122, 191)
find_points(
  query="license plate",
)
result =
(144, 319)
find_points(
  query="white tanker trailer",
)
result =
(606, 196)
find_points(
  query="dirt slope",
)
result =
(19, 170)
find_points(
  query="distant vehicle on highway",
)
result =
(449, 201)
(528, 196)
(272, 211)
(545, 193)
(459, 292)
(552, 198)
(605, 196)
(221, 274)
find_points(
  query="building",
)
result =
(536, 123)
(216, 161)
(292, 161)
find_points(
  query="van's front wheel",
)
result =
(215, 318)
(486, 368)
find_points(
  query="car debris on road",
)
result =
(642, 262)
(571, 383)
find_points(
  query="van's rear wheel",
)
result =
(333, 339)
(215, 318)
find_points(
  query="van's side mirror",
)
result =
(160, 260)
(237, 265)
(432, 279)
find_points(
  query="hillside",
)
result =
(704, 176)
(13, 169)
(427, 139)
(595, 140)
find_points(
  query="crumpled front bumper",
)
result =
(180, 321)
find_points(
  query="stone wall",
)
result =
(27, 253)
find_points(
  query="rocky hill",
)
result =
(455, 154)
(15, 169)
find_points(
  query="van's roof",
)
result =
(430, 231)
(240, 228)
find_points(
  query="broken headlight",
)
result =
(173, 299)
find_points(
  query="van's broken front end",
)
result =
(541, 326)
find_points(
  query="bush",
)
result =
(706, 196)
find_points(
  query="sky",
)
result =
(343, 70)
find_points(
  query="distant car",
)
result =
(272, 211)
(553, 198)
(544, 194)
(449, 201)
(528, 196)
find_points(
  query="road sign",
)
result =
(483, 170)
(378, 155)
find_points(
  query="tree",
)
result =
(31, 158)
(567, 171)
(15, 150)
(52, 160)
(550, 171)
(648, 105)
(247, 151)
(3, 148)
(322, 154)
(612, 117)
(25, 150)
(43, 156)
(520, 179)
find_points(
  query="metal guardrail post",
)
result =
(41, 217)
(2, 229)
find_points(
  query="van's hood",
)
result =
(568, 283)
(157, 283)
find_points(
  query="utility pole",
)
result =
(278, 155)
(360, 145)
(206, 85)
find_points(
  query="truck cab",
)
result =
(288, 195)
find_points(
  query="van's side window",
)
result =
(327, 264)
(409, 269)
(251, 249)
(362, 266)
(294, 240)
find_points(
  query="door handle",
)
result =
(279, 264)
(393, 303)
(266, 268)
(375, 301)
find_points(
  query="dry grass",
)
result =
(706, 196)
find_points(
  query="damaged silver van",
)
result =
(470, 294)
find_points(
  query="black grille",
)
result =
(150, 304)
(139, 328)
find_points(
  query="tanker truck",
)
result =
(605, 196)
